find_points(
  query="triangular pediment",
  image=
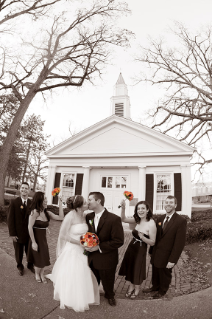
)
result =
(115, 136)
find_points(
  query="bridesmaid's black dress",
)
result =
(133, 266)
(41, 257)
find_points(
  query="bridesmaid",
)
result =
(38, 251)
(133, 266)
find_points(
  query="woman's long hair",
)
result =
(149, 214)
(37, 202)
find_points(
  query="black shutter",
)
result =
(178, 190)
(78, 188)
(56, 184)
(150, 189)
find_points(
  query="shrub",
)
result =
(10, 191)
(198, 231)
(7, 201)
(201, 215)
(3, 213)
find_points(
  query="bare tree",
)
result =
(74, 49)
(12, 9)
(185, 71)
(38, 165)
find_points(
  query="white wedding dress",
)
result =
(75, 285)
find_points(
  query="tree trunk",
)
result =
(36, 176)
(35, 182)
(27, 159)
(2, 178)
(8, 181)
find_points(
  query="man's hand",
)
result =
(90, 249)
(14, 238)
(170, 265)
(35, 246)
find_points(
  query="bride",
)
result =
(75, 285)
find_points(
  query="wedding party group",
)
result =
(88, 243)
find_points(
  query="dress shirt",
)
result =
(24, 200)
(97, 218)
(96, 222)
(170, 216)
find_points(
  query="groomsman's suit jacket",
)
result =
(170, 242)
(111, 237)
(18, 220)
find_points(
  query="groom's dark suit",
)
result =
(18, 226)
(111, 237)
(168, 248)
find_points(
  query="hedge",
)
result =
(3, 213)
(199, 231)
(201, 215)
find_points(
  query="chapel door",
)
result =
(113, 187)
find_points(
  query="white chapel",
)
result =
(118, 154)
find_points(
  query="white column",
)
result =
(186, 189)
(50, 183)
(85, 184)
(141, 182)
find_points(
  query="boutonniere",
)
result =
(22, 207)
(159, 224)
(91, 222)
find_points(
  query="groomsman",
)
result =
(170, 241)
(18, 226)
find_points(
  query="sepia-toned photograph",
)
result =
(106, 159)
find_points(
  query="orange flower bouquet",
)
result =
(89, 240)
(56, 191)
(128, 195)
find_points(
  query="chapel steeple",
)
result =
(120, 101)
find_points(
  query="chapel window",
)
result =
(114, 182)
(164, 188)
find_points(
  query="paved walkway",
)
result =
(186, 278)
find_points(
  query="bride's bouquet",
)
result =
(56, 191)
(128, 195)
(89, 240)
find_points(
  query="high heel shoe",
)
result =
(38, 280)
(129, 293)
(134, 295)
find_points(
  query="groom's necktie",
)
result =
(166, 222)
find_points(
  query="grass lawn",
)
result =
(201, 253)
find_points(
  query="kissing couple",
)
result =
(76, 276)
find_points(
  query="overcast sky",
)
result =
(90, 104)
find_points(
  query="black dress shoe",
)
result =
(112, 302)
(151, 289)
(32, 269)
(21, 272)
(158, 295)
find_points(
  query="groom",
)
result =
(103, 258)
